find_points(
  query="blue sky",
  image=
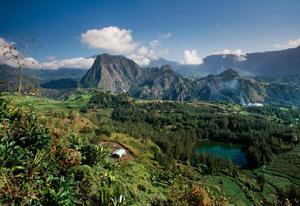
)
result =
(206, 26)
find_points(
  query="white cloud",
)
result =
(51, 63)
(5, 57)
(51, 58)
(154, 43)
(241, 56)
(289, 44)
(143, 56)
(78, 63)
(30, 62)
(3, 43)
(191, 57)
(112, 39)
(116, 40)
(166, 35)
(294, 43)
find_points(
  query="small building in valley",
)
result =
(119, 153)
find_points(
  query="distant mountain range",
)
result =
(63, 78)
(10, 77)
(121, 75)
(268, 77)
(55, 74)
(271, 63)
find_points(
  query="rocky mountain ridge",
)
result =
(121, 75)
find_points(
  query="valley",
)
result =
(161, 138)
(216, 140)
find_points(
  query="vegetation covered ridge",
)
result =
(59, 152)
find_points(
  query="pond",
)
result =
(227, 151)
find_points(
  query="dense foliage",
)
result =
(100, 99)
(177, 127)
(61, 156)
(38, 167)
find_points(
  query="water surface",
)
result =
(224, 150)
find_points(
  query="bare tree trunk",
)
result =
(20, 79)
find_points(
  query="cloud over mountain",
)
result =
(241, 56)
(111, 38)
(120, 41)
(78, 63)
(290, 44)
(143, 56)
(191, 57)
(52, 63)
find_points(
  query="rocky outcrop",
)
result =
(121, 75)
(112, 73)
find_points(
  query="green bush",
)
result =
(37, 168)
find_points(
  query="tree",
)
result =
(260, 179)
(1, 82)
(16, 54)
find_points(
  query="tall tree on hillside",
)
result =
(1, 82)
(16, 54)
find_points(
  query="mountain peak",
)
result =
(161, 62)
(109, 57)
(166, 67)
(229, 74)
(114, 73)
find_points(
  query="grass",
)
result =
(44, 105)
(288, 174)
(229, 188)
(138, 147)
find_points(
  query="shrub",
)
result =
(212, 164)
(41, 168)
(103, 131)
(93, 154)
(84, 109)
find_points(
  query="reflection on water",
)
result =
(227, 151)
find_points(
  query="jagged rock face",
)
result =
(229, 86)
(164, 84)
(112, 73)
(119, 74)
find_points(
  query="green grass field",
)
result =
(42, 104)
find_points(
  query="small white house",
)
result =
(255, 105)
(119, 153)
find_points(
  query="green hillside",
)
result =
(59, 152)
